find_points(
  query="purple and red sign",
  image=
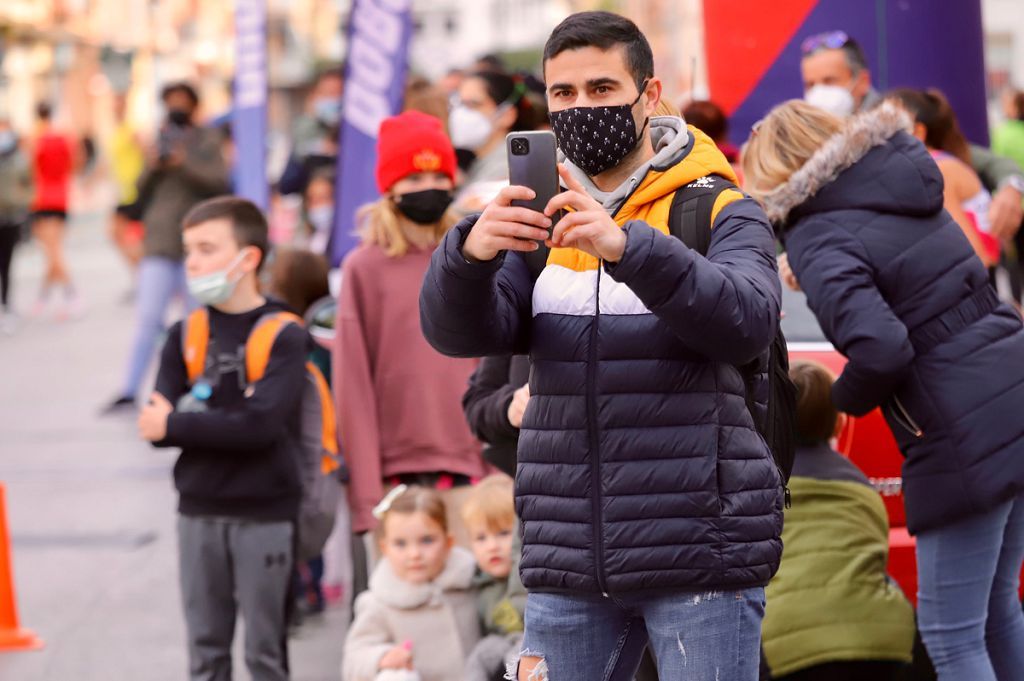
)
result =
(753, 50)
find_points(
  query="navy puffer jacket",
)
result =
(639, 465)
(898, 290)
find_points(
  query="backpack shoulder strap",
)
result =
(195, 340)
(329, 426)
(695, 207)
(261, 341)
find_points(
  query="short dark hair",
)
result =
(248, 224)
(603, 30)
(331, 71)
(816, 416)
(180, 87)
(44, 111)
(299, 277)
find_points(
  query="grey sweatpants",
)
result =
(226, 566)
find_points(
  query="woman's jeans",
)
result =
(969, 611)
(694, 635)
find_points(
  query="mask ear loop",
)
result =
(643, 89)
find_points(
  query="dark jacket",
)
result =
(240, 458)
(639, 465)
(898, 290)
(486, 404)
(167, 194)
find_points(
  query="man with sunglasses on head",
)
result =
(651, 508)
(836, 78)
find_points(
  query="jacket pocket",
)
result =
(902, 417)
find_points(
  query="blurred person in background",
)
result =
(1008, 140)
(837, 79)
(53, 162)
(898, 291)
(423, 95)
(398, 399)
(185, 167)
(314, 233)
(127, 161)
(490, 105)
(15, 200)
(709, 118)
(315, 133)
(964, 196)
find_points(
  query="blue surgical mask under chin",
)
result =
(216, 287)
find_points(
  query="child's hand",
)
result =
(399, 657)
(153, 418)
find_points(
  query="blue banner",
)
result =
(249, 115)
(378, 55)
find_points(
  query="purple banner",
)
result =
(910, 43)
(378, 55)
(249, 114)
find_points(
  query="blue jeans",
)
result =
(968, 609)
(159, 281)
(695, 636)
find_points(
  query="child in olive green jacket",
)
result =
(833, 612)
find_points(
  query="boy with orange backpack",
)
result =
(233, 391)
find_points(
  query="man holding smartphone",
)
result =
(651, 508)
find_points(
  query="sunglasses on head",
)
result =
(830, 40)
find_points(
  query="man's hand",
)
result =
(399, 657)
(517, 408)
(153, 418)
(503, 227)
(589, 227)
(786, 272)
(1005, 213)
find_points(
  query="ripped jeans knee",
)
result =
(529, 666)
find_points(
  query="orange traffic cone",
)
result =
(12, 637)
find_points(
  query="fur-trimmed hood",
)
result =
(457, 575)
(873, 163)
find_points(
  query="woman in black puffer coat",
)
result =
(899, 291)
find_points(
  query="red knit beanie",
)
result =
(412, 142)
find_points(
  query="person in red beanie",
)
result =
(399, 401)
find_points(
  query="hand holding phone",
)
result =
(504, 227)
(533, 163)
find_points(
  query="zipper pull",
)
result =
(788, 496)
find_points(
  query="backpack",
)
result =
(689, 221)
(318, 443)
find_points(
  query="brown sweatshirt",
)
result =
(399, 401)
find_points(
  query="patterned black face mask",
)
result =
(596, 138)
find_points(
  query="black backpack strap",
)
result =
(689, 218)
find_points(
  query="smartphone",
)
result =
(533, 163)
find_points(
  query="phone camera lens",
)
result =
(520, 146)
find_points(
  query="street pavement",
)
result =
(91, 509)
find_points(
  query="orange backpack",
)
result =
(318, 458)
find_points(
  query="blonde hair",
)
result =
(416, 500)
(782, 142)
(380, 225)
(491, 503)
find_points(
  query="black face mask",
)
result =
(425, 207)
(596, 138)
(179, 117)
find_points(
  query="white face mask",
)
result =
(321, 217)
(834, 99)
(469, 128)
(216, 287)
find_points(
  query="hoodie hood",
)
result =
(871, 164)
(389, 589)
(681, 154)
